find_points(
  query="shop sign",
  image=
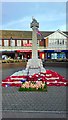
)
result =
(24, 50)
(27, 51)
(27, 45)
(57, 50)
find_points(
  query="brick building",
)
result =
(19, 43)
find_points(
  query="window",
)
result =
(51, 42)
(18, 42)
(30, 41)
(12, 42)
(55, 41)
(58, 41)
(24, 42)
(63, 42)
(54, 56)
(0, 42)
(6, 43)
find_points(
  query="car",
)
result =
(4, 57)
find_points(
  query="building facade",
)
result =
(18, 44)
(57, 47)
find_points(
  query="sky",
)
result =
(18, 15)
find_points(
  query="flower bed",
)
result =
(33, 86)
(33, 82)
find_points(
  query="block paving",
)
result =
(52, 100)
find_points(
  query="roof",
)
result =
(62, 33)
(59, 31)
(7, 34)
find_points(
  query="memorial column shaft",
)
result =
(34, 43)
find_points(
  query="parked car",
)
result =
(4, 57)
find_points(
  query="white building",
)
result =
(57, 46)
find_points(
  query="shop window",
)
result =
(61, 55)
(42, 55)
(48, 55)
(54, 56)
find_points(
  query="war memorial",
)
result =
(34, 104)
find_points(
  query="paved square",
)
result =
(53, 101)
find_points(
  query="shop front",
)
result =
(27, 54)
(57, 54)
(24, 54)
(9, 53)
(41, 55)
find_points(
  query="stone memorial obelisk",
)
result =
(34, 25)
(34, 65)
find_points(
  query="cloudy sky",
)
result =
(18, 15)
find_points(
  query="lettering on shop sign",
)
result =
(24, 50)
(27, 45)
